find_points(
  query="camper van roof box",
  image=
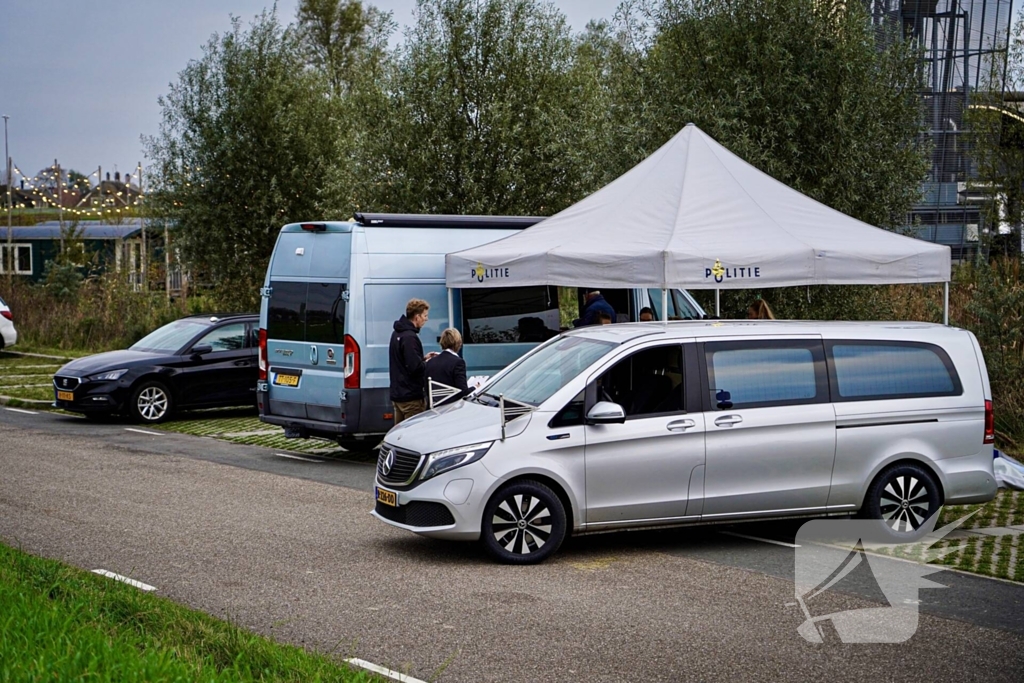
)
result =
(415, 220)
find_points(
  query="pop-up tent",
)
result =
(694, 215)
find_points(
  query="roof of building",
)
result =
(86, 230)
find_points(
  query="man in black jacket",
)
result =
(406, 361)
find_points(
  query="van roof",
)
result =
(413, 220)
(622, 332)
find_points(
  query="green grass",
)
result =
(58, 623)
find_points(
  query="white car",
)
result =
(8, 335)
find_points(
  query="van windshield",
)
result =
(548, 369)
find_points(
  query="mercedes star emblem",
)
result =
(389, 462)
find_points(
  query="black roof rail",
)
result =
(417, 220)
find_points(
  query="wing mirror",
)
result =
(201, 349)
(606, 412)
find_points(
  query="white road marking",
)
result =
(762, 540)
(124, 579)
(142, 431)
(19, 410)
(394, 675)
(296, 457)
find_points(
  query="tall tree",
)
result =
(344, 38)
(799, 88)
(490, 106)
(247, 142)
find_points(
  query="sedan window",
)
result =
(227, 338)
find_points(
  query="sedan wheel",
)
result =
(903, 498)
(523, 523)
(152, 402)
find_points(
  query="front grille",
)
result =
(404, 466)
(66, 383)
(417, 513)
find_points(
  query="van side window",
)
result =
(760, 374)
(509, 314)
(572, 413)
(649, 382)
(865, 370)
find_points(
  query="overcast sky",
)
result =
(80, 80)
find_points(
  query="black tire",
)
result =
(524, 523)
(903, 498)
(151, 403)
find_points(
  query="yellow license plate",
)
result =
(65, 396)
(286, 380)
(387, 497)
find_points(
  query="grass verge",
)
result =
(59, 623)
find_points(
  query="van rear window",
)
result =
(881, 370)
(312, 312)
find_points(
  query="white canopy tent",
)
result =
(694, 215)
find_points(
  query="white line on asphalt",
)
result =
(124, 579)
(762, 540)
(394, 675)
(142, 431)
(19, 410)
(296, 457)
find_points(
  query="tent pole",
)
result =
(718, 302)
(945, 303)
(451, 308)
(664, 305)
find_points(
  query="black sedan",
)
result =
(195, 362)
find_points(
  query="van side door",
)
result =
(771, 431)
(641, 470)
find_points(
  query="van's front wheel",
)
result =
(524, 523)
(903, 498)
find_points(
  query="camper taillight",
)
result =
(351, 363)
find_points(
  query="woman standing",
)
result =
(448, 367)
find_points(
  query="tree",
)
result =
(78, 181)
(344, 39)
(248, 141)
(799, 88)
(489, 107)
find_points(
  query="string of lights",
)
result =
(48, 183)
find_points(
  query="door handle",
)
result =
(728, 420)
(680, 425)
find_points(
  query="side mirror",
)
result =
(606, 412)
(201, 350)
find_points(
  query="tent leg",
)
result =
(945, 303)
(718, 303)
(664, 305)
(451, 308)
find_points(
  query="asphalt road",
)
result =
(287, 548)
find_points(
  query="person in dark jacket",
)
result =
(448, 367)
(595, 304)
(406, 362)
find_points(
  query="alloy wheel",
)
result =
(152, 403)
(905, 503)
(522, 524)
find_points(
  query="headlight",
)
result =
(449, 459)
(108, 376)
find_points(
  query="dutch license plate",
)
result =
(65, 396)
(387, 497)
(286, 380)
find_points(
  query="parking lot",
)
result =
(286, 547)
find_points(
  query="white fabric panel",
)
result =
(694, 215)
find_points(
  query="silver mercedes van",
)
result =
(664, 424)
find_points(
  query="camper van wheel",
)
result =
(151, 402)
(903, 498)
(523, 523)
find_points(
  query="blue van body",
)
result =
(334, 290)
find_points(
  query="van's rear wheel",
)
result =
(524, 523)
(903, 498)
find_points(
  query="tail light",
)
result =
(263, 354)
(351, 363)
(7, 314)
(990, 423)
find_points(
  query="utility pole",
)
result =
(9, 265)
(142, 223)
(60, 205)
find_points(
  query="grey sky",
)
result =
(80, 81)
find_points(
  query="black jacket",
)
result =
(405, 362)
(448, 368)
